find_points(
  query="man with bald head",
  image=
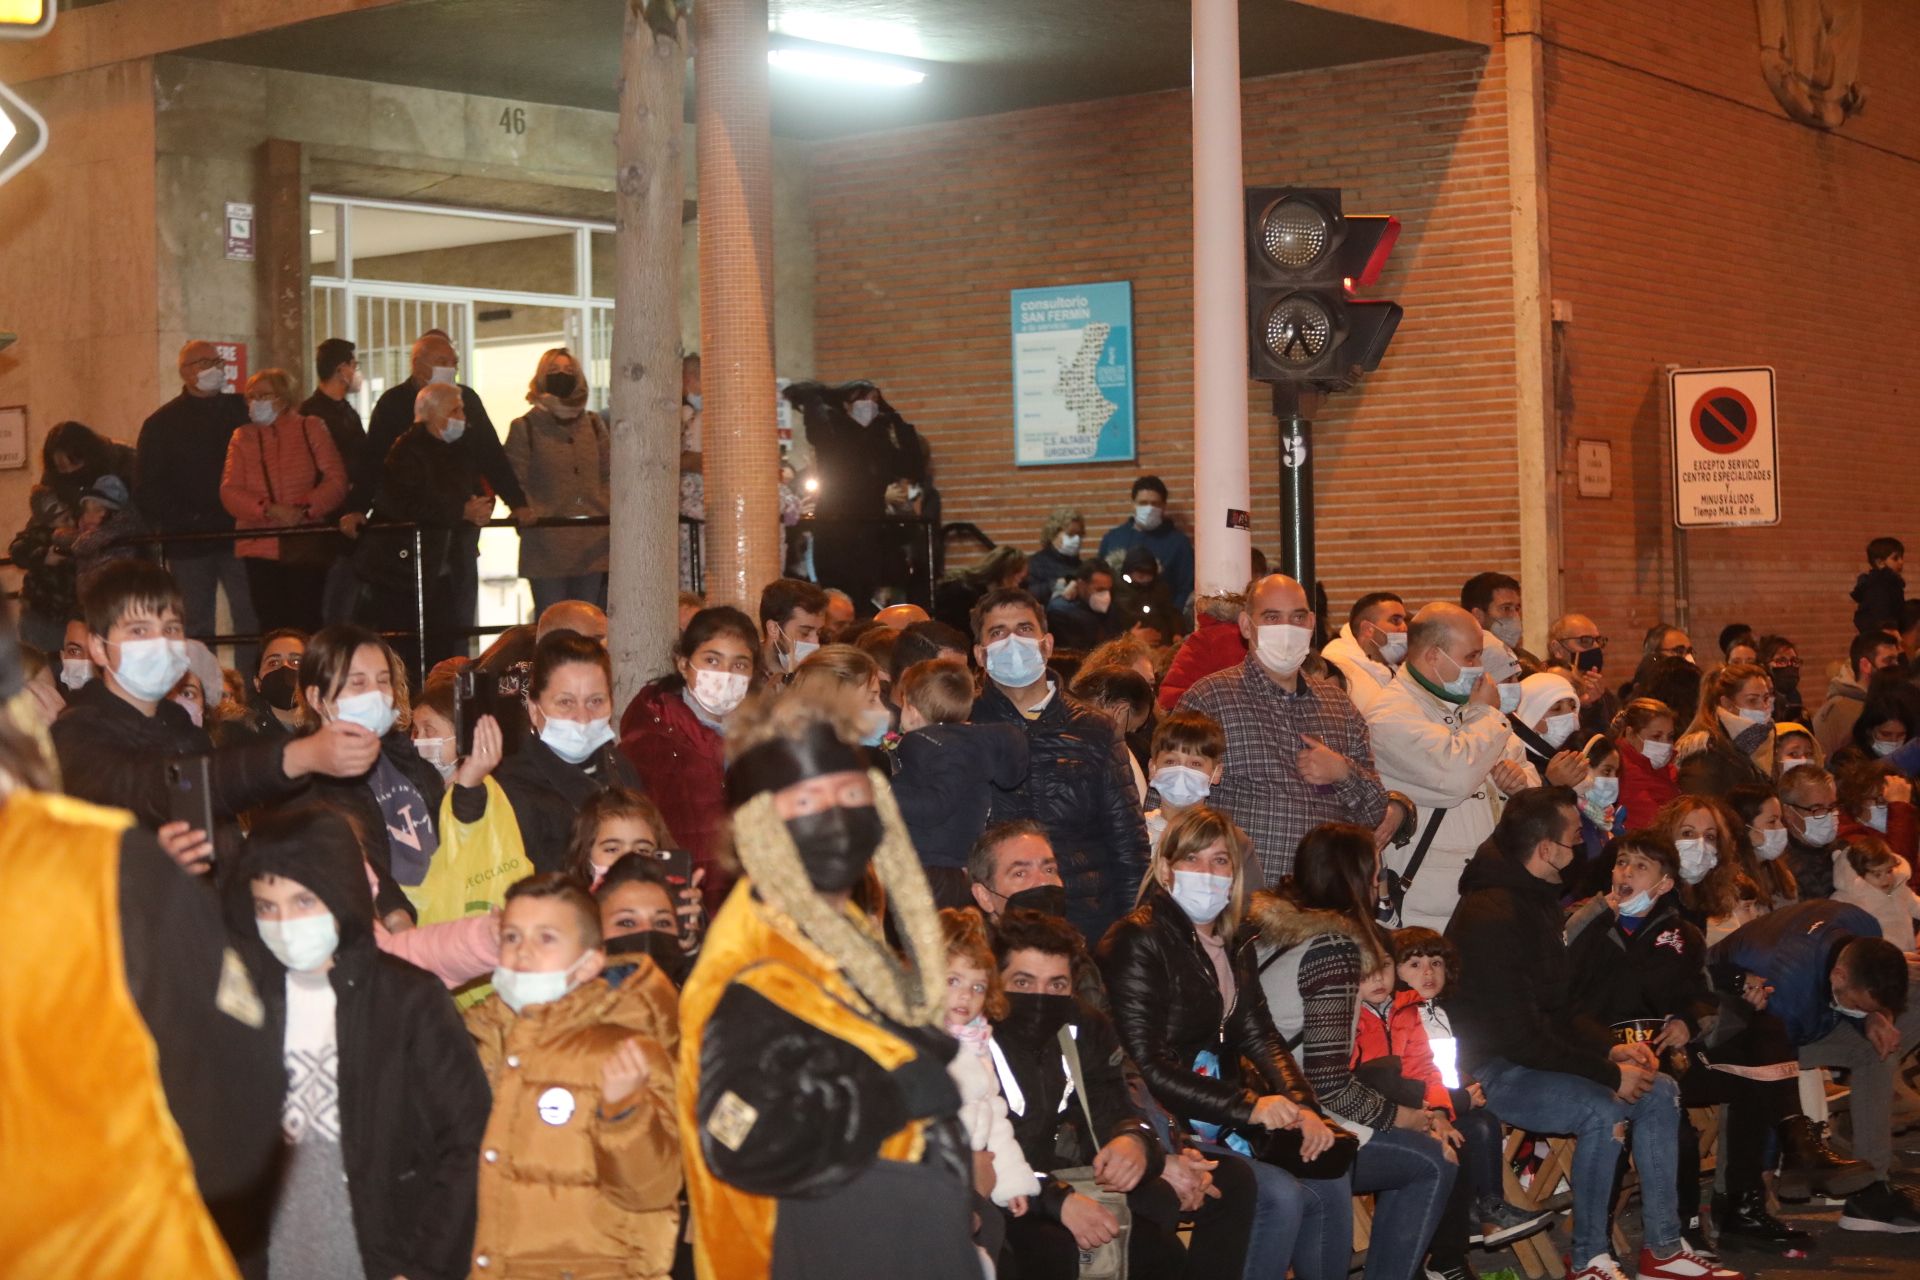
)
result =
(1297, 751)
(1575, 644)
(182, 455)
(436, 361)
(898, 617)
(1438, 735)
(577, 616)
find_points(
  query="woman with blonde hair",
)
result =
(562, 452)
(844, 666)
(283, 469)
(1731, 738)
(1058, 558)
(1706, 832)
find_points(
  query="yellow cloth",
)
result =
(471, 871)
(98, 1181)
(751, 943)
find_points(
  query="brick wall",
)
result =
(1693, 223)
(920, 234)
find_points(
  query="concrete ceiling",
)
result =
(982, 56)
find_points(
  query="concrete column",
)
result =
(740, 449)
(280, 215)
(1222, 554)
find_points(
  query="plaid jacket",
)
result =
(1261, 787)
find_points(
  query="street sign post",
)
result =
(1726, 447)
(23, 134)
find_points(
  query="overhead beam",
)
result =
(100, 35)
(1468, 20)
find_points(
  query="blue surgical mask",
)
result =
(521, 991)
(1201, 894)
(1638, 905)
(148, 669)
(1602, 792)
(373, 711)
(1877, 818)
(1147, 516)
(1461, 686)
(456, 427)
(1510, 695)
(1015, 662)
(876, 725)
(572, 740)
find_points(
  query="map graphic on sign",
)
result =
(1726, 448)
(1073, 374)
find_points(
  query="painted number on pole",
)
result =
(513, 120)
(1293, 451)
(1726, 448)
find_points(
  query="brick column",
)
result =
(738, 444)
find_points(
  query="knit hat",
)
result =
(109, 491)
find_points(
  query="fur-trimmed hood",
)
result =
(1283, 925)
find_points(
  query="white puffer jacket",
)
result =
(984, 1113)
(1896, 909)
(1438, 754)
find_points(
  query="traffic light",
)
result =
(24, 19)
(1304, 257)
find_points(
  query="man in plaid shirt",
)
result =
(1297, 752)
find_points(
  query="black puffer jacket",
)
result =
(413, 1098)
(1165, 1000)
(546, 792)
(1080, 789)
(1657, 971)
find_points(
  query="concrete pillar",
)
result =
(738, 443)
(280, 217)
(1222, 553)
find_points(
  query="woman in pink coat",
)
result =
(282, 469)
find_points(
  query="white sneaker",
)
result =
(1602, 1267)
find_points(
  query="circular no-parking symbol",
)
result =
(1723, 420)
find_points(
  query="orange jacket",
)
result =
(291, 461)
(1402, 1033)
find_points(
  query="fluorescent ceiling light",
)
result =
(844, 64)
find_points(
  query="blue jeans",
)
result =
(1411, 1179)
(1301, 1222)
(1555, 1102)
(200, 579)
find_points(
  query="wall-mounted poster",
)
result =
(1073, 374)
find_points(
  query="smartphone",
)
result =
(473, 698)
(189, 794)
(676, 865)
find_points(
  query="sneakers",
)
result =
(1460, 1272)
(1879, 1208)
(1501, 1221)
(1602, 1267)
(1684, 1264)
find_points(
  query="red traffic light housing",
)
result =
(1304, 256)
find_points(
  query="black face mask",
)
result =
(281, 687)
(836, 845)
(561, 383)
(1047, 899)
(1034, 1019)
(1590, 660)
(662, 948)
(1786, 680)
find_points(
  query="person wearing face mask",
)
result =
(1644, 733)
(1494, 601)
(1438, 734)
(1846, 697)
(562, 452)
(386, 1101)
(793, 616)
(1184, 988)
(1545, 722)
(1782, 660)
(1188, 756)
(283, 470)
(1731, 738)
(795, 996)
(1889, 720)
(1843, 992)
(638, 919)
(1876, 801)
(672, 734)
(1058, 560)
(338, 381)
(1078, 784)
(1601, 815)
(1297, 751)
(871, 464)
(182, 454)
(1702, 830)
(1810, 811)
(272, 708)
(580, 1168)
(424, 480)
(1143, 602)
(121, 736)
(568, 754)
(1371, 646)
(1150, 530)
(1083, 616)
(1760, 840)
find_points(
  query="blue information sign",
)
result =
(1073, 374)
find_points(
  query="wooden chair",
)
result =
(1536, 1253)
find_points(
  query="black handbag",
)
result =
(1281, 1148)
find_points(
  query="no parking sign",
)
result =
(1726, 447)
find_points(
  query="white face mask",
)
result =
(1877, 818)
(1282, 647)
(442, 373)
(262, 412)
(437, 752)
(1201, 894)
(798, 652)
(1559, 728)
(210, 379)
(1696, 859)
(1768, 845)
(1015, 662)
(1067, 544)
(573, 741)
(1100, 601)
(75, 672)
(864, 411)
(1883, 748)
(1657, 753)
(521, 991)
(373, 711)
(1147, 516)
(1820, 831)
(302, 944)
(1181, 786)
(456, 427)
(148, 669)
(1393, 647)
(1507, 630)
(1510, 695)
(719, 692)
(1602, 792)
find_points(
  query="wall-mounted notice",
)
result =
(1073, 374)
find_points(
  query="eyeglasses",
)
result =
(1584, 643)
(1677, 651)
(1815, 811)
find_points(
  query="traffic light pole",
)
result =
(1293, 408)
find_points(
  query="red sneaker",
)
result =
(1684, 1264)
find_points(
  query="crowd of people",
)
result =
(1086, 921)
